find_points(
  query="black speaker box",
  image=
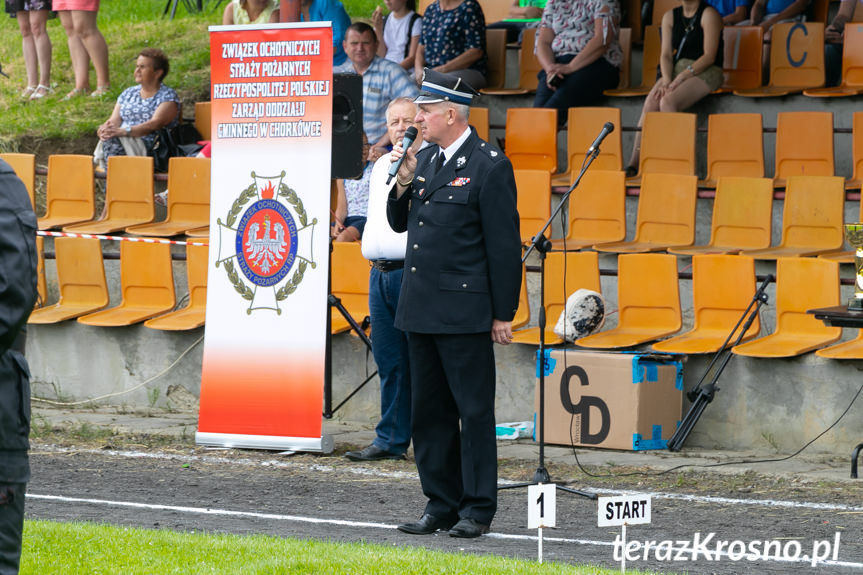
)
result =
(347, 154)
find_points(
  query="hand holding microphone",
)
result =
(407, 141)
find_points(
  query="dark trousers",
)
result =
(11, 526)
(452, 385)
(581, 88)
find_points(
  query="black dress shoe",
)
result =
(467, 528)
(372, 453)
(427, 525)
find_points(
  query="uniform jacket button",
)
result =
(426, 202)
(416, 246)
(420, 224)
(464, 285)
(413, 270)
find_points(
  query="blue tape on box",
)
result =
(656, 442)
(547, 365)
(650, 371)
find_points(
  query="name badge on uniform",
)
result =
(374, 90)
(459, 182)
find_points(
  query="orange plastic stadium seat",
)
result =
(722, 288)
(852, 66)
(856, 152)
(649, 62)
(422, 5)
(531, 138)
(495, 50)
(801, 284)
(648, 302)
(203, 115)
(852, 349)
(582, 272)
(667, 145)
(735, 147)
(624, 37)
(193, 314)
(522, 313)
(534, 202)
(199, 232)
(479, 120)
(41, 282)
(349, 281)
(583, 125)
(741, 67)
(660, 7)
(25, 168)
(843, 256)
(812, 218)
(597, 211)
(69, 193)
(528, 68)
(188, 199)
(128, 196)
(666, 215)
(742, 217)
(80, 279)
(495, 10)
(796, 62)
(146, 283)
(804, 145)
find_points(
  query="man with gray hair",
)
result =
(457, 201)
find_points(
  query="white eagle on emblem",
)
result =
(266, 251)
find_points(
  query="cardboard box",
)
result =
(614, 400)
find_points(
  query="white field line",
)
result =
(368, 471)
(359, 524)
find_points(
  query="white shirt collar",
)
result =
(450, 150)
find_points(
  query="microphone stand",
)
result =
(700, 395)
(541, 244)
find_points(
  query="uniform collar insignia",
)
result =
(493, 154)
(460, 161)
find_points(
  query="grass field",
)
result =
(82, 548)
(128, 27)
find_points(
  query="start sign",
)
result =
(623, 510)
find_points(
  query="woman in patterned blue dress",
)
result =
(453, 41)
(142, 109)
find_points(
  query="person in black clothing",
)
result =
(690, 63)
(17, 296)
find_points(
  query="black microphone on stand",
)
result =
(407, 140)
(606, 130)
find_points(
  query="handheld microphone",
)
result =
(606, 130)
(407, 140)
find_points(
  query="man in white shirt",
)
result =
(385, 249)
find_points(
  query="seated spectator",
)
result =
(580, 55)
(766, 13)
(732, 11)
(251, 12)
(399, 32)
(352, 203)
(834, 37)
(522, 14)
(332, 11)
(453, 41)
(140, 111)
(690, 63)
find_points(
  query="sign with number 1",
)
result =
(541, 506)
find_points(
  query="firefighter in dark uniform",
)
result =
(17, 297)
(458, 296)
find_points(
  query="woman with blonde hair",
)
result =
(251, 12)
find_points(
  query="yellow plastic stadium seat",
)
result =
(494, 10)
(796, 62)
(25, 168)
(199, 232)
(735, 147)
(667, 145)
(531, 138)
(69, 193)
(852, 349)
(649, 62)
(80, 279)
(193, 314)
(522, 313)
(350, 283)
(801, 284)
(422, 5)
(666, 215)
(495, 50)
(188, 199)
(624, 37)
(852, 66)
(128, 196)
(582, 272)
(583, 126)
(742, 217)
(528, 68)
(147, 286)
(856, 152)
(804, 145)
(203, 115)
(843, 256)
(479, 120)
(41, 282)
(534, 202)
(722, 288)
(660, 7)
(812, 218)
(597, 211)
(741, 68)
(648, 302)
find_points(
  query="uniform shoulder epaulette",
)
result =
(491, 151)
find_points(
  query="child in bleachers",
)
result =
(399, 32)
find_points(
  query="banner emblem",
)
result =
(266, 242)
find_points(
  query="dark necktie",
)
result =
(439, 163)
